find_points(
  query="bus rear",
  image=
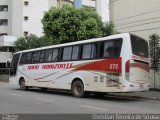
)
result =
(137, 67)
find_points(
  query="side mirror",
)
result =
(8, 64)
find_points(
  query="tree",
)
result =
(154, 44)
(68, 24)
(30, 41)
(109, 29)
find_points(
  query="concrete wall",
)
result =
(34, 11)
(141, 17)
(16, 17)
(4, 15)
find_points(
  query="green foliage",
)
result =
(67, 24)
(154, 43)
(30, 41)
(109, 29)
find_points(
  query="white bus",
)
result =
(117, 63)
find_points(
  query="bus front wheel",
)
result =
(78, 89)
(23, 84)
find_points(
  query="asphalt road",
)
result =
(52, 102)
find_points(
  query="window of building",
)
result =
(26, 17)
(26, 3)
(67, 51)
(1, 34)
(3, 22)
(3, 49)
(25, 33)
(48, 55)
(3, 8)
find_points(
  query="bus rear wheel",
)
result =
(78, 89)
(23, 84)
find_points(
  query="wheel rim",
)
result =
(23, 84)
(78, 89)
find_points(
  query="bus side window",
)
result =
(23, 58)
(117, 47)
(48, 55)
(94, 53)
(41, 60)
(55, 54)
(35, 57)
(67, 51)
(75, 52)
(28, 58)
(86, 51)
(108, 49)
(111, 48)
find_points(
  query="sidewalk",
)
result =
(151, 95)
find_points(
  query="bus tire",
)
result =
(78, 89)
(23, 84)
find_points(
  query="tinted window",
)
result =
(94, 50)
(55, 55)
(75, 52)
(35, 57)
(14, 64)
(86, 51)
(139, 46)
(41, 57)
(111, 49)
(48, 55)
(67, 53)
(23, 58)
(28, 58)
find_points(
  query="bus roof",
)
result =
(77, 42)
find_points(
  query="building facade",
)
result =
(140, 17)
(3, 17)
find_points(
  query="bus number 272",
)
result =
(113, 66)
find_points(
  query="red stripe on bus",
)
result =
(108, 65)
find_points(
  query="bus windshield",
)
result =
(139, 46)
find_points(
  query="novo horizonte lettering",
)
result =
(50, 66)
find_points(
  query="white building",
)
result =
(3, 17)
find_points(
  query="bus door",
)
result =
(14, 64)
